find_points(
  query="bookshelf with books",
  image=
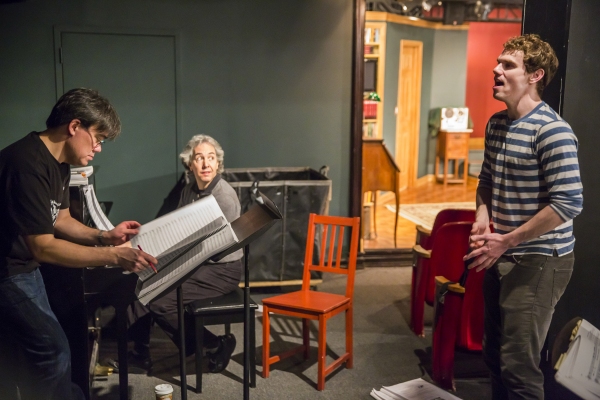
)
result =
(374, 56)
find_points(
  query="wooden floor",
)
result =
(429, 192)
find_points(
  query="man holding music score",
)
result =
(36, 227)
(203, 156)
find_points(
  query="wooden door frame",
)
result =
(356, 112)
(414, 138)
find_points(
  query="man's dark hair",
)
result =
(537, 54)
(90, 108)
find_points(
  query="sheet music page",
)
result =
(100, 219)
(580, 370)
(379, 395)
(417, 389)
(170, 255)
(164, 233)
(186, 262)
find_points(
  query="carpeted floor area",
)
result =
(386, 352)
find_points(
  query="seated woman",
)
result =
(203, 157)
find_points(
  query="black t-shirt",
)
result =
(34, 186)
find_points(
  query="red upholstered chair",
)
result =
(423, 285)
(458, 308)
(319, 306)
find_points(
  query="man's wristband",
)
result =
(99, 237)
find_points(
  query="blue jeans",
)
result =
(34, 352)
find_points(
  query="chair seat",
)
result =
(231, 302)
(308, 300)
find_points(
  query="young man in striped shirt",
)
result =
(530, 188)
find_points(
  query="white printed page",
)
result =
(172, 254)
(100, 219)
(417, 389)
(187, 262)
(580, 370)
(164, 233)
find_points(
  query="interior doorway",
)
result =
(409, 111)
(137, 72)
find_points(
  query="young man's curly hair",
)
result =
(537, 54)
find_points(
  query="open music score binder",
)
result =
(189, 236)
(578, 368)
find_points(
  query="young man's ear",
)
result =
(537, 76)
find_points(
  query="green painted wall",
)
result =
(443, 81)
(271, 80)
(448, 84)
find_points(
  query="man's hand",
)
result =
(494, 245)
(479, 228)
(133, 260)
(121, 233)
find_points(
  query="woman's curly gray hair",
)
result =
(187, 155)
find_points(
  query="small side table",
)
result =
(452, 145)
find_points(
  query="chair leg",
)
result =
(266, 344)
(252, 349)
(444, 342)
(349, 338)
(199, 325)
(375, 213)
(321, 352)
(306, 337)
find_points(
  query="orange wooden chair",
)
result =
(319, 306)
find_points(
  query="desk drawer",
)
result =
(457, 145)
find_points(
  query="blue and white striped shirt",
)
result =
(531, 163)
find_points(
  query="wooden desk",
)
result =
(452, 145)
(379, 172)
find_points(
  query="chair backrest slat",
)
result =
(329, 270)
(340, 244)
(336, 228)
(323, 242)
(331, 245)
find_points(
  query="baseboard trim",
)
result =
(385, 258)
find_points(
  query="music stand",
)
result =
(180, 317)
(248, 227)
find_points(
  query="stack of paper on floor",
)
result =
(579, 368)
(417, 389)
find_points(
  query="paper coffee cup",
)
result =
(164, 392)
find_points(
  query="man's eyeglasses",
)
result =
(95, 142)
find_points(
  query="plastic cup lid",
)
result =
(165, 388)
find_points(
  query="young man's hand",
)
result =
(484, 256)
(479, 228)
